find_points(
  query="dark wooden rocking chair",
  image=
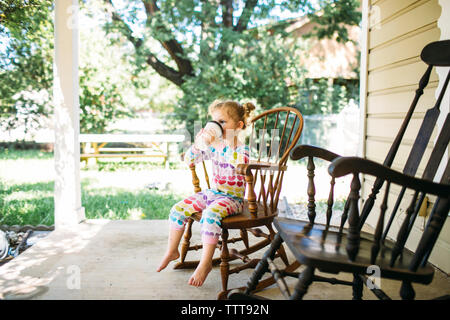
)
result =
(333, 249)
(262, 195)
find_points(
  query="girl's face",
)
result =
(227, 123)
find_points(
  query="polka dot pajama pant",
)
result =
(214, 206)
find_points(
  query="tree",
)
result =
(26, 73)
(207, 48)
(215, 48)
(218, 23)
(25, 63)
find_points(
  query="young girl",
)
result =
(226, 196)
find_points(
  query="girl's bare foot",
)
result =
(200, 274)
(169, 256)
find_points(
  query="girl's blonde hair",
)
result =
(234, 109)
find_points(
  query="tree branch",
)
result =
(164, 70)
(161, 68)
(124, 28)
(246, 15)
(172, 46)
(227, 13)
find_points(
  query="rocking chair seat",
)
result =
(244, 219)
(305, 242)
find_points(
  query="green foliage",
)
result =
(201, 52)
(13, 153)
(334, 17)
(228, 49)
(323, 96)
(26, 61)
(99, 104)
(12, 12)
(256, 70)
(26, 74)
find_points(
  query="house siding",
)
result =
(397, 32)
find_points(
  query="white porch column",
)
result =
(363, 74)
(68, 209)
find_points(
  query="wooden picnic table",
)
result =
(94, 145)
(157, 145)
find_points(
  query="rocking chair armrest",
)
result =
(303, 150)
(345, 165)
(245, 169)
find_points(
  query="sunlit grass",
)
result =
(118, 203)
(12, 154)
(27, 186)
(117, 190)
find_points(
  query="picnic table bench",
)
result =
(144, 145)
(156, 145)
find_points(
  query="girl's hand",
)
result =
(207, 136)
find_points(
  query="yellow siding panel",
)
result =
(417, 17)
(382, 10)
(405, 48)
(440, 256)
(388, 128)
(406, 74)
(399, 101)
(377, 151)
(393, 195)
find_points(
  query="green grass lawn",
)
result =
(27, 184)
(113, 189)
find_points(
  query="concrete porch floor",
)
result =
(103, 259)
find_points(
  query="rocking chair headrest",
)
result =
(437, 53)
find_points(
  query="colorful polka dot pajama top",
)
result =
(224, 199)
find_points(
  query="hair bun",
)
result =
(248, 107)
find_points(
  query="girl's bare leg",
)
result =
(172, 252)
(204, 267)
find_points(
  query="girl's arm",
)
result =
(194, 155)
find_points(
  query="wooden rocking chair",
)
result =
(333, 249)
(262, 194)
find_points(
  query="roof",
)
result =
(328, 58)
